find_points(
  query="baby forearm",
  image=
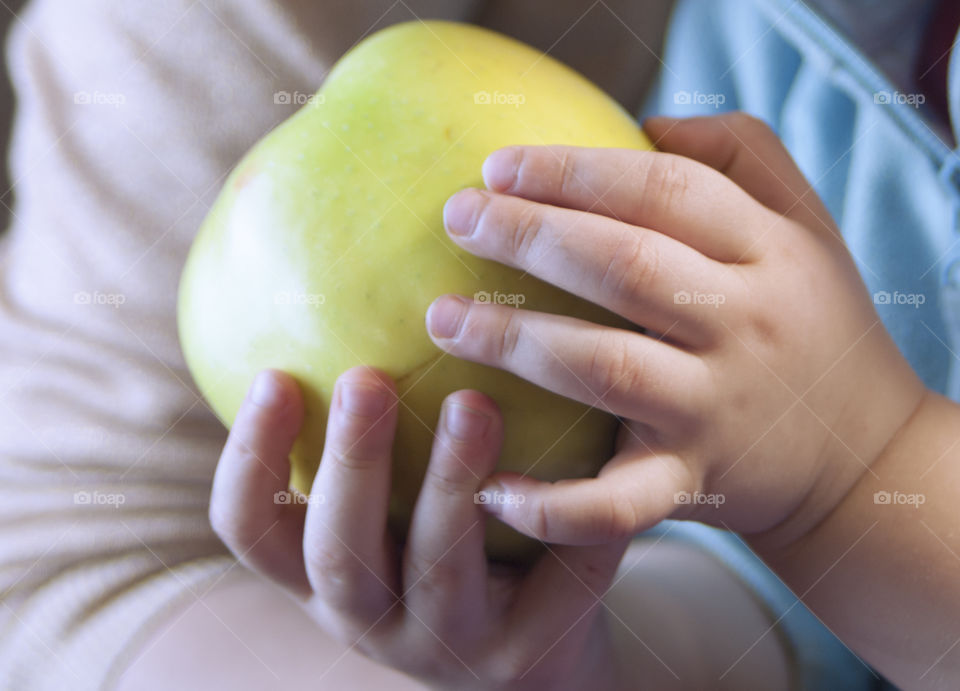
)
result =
(883, 569)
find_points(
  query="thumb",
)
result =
(630, 495)
(748, 152)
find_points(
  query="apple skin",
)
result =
(326, 246)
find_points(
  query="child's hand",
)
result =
(437, 612)
(766, 385)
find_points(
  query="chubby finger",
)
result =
(247, 510)
(632, 271)
(670, 194)
(625, 373)
(349, 554)
(746, 150)
(631, 493)
(444, 563)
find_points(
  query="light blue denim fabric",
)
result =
(891, 181)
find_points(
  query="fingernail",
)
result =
(459, 212)
(363, 400)
(266, 391)
(464, 423)
(445, 316)
(500, 169)
(488, 497)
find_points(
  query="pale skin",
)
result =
(785, 396)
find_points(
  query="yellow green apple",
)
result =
(326, 246)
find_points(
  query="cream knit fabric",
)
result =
(129, 116)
